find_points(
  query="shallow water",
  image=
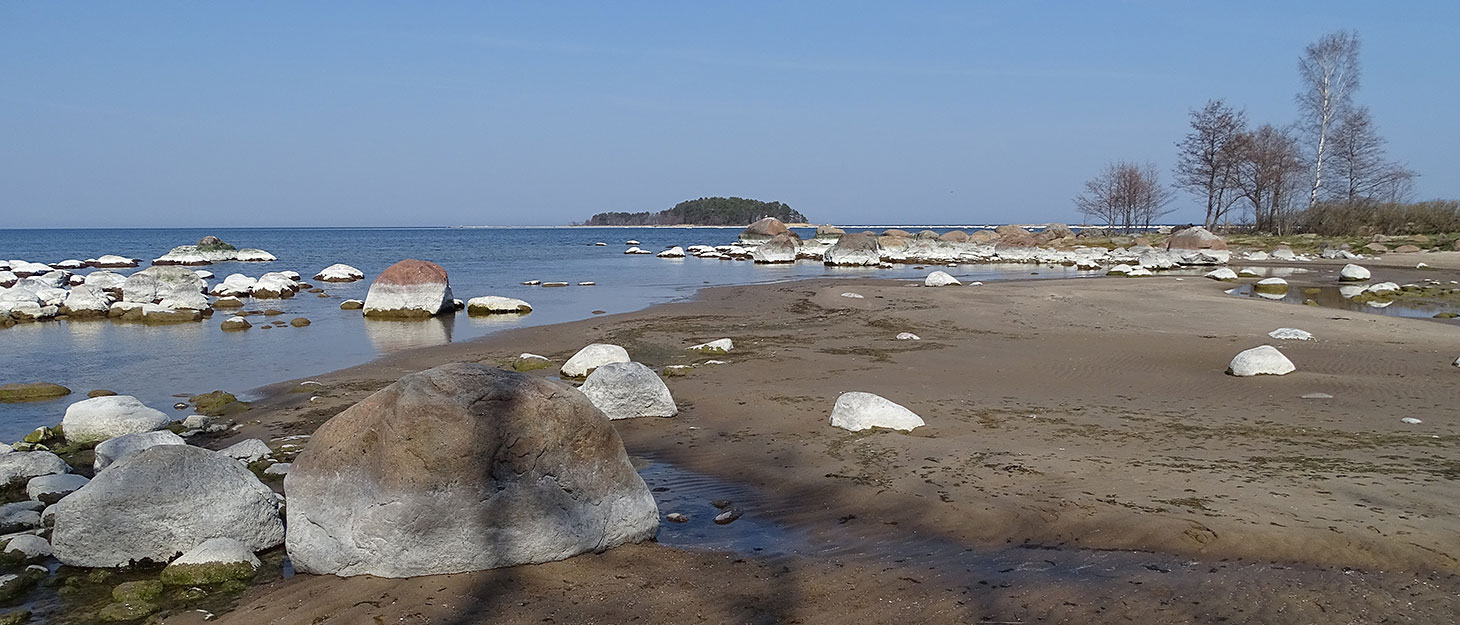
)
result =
(158, 363)
(1332, 297)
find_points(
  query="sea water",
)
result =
(157, 363)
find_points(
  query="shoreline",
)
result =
(1137, 442)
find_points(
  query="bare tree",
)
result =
(1209, 155)
(1269, 174)
(1125, 195)
(1329, 70)
(1359, 165)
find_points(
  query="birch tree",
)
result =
(1207, 162)
(1329, 70)
(1360, 168)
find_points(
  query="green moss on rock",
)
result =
(210, 573)
(15, 618)
(125, 611)
(217, 404)
(145, 591)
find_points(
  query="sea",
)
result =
(161, 364)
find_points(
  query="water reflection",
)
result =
(1340, 297)
(389, 335)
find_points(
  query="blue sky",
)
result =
(371, 114)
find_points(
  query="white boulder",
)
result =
(114, 450)
(28, 547)
(593, 357)
(100, 418)
(939, 278)
(673, 252)
(49, 489)
(717, 346)
(19, 467)
(857, 411)
(1353, 273)
(1291, 334)
(908, 336)
(235, 285)
(1271, 285)
(160, 502)
(495, 305)
(1223, 274)
(249, 451)
(624, 390)
(1262, 360)
(339, 272)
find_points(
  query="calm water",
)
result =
(155, 363)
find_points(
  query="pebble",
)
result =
(727, 517)
(675, 517)
(908, 336)
(1411, 421)
(1317, 396)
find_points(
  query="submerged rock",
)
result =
(352, 304)
(1263, 360)
(624, 390)
(461, 468)
(32, 391)
(409, 288)
(1271, 285)
(160, 502)
(856, 411)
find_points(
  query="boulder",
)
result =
(717, 346)
(19, 467)
(858, 249)
(251, 255)
(1263, 360)
(1271, 285)
(20, 516)
(1291, 334)
(1224, 274)
(86, 301)
(215, 561)
(908, 336)
(1059, 231)
(1353, 273)
(299, 322)
(857, 411)
(8, 279)
(593, 357)
(27, 548)
(624, 390)
(156, 285)
(939, 278)
(248, 451)
(1195, 238)
(114, 450)
(99, 418)
(49, 489)
(460, 468)
(274, 285)
(31, 391)
(235, 285)
(112, 261)
(409, 288)
(954, 236)
(160, 502)
(531, 362)
(1406, 249)
(829, 232)
(235, 323)
(673, 252)
(496, 305)
(763, 230)
(1283, 252)
(339, 272)
(780, 248)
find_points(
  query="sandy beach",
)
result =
(1085, 459)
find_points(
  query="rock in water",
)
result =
(33, 391)
(1263, 360)
(161, 502)
(409, 288)
(780, 248)
(856, 411)
(1271, 285)
(461, 468)
(624, 390)
(97, 419)
(592, 357)
(1353, 273)
(215, 561)
(339, 272)
(496, 305)
(858, 249)
(939, 278)
(764, 229)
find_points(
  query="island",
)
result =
(706, 211)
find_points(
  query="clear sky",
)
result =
(402, 113)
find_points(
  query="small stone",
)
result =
(299, 322)
(531, 362)
(727, 517)
(1317, 396)
(852, 295)
(908, 336)
(235, 323)
(675, 517)
(101, 392)
(1411, 421)
(352, 304)
(1291, 334)
(278, 468)
(272, 312)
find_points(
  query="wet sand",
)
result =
(1086, 459)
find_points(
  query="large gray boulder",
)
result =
(49, 489)
(409, 288)
(161, 502)
(780, 248)
(624, 390)
(100, 418)
(859, 249)
(764, 229)
(1261, 360)
(155, 285)
(460, 468)
(113, 450)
